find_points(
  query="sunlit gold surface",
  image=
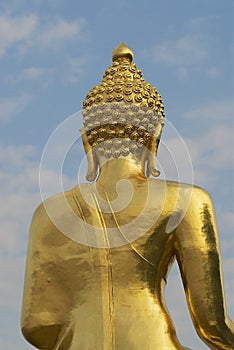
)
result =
(122, 51)
(124, 82)
(84, 297)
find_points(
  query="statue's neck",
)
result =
(115, 170)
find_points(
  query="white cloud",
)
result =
(187, 50)
(182, 73)
(10, 107)
(70, 71)
(217, 111)
(19, 195)
(213, 72)
(75, 68)
(201, 21)
(16, 29)
(59, 31)
(30, 35)
(17, 156)
(52, 183)
(54, 35)
(210, 147)
(174, 161)
(33, 33)
(34, 73)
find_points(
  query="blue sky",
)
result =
(52, 53)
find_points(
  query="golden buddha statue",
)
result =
(99, 254)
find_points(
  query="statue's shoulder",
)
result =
(55, 201)
(193, 196)
(197, 194)
(60, 213)
(62, 204)
(174, 185)
(193, 199)
(58, 205)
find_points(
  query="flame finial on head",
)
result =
(122, 51)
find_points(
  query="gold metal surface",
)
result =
(109, 293)
(123, 82)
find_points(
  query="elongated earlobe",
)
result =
(92, 169)
(151, 164)
(149, 158)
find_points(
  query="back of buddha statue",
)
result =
(100, 253)
(123, 280)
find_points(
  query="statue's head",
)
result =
(123, 116)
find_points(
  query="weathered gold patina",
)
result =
(108, 293)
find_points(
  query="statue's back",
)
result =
(105, 297)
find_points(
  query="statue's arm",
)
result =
(44, 309)
(198, 255)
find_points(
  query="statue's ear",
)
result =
(150, 153)
(92, 169)
(151, 168)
